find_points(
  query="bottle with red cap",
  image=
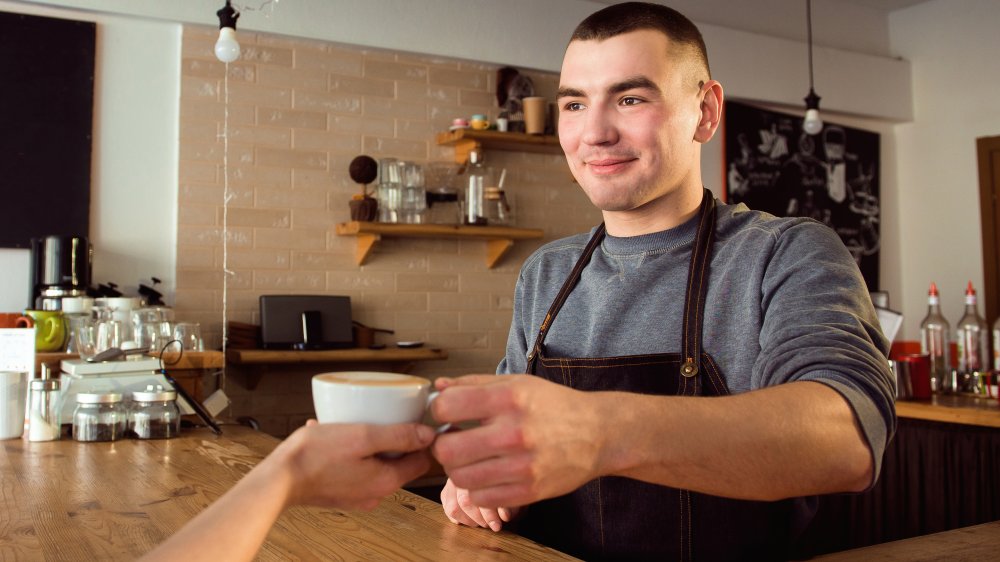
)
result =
(973, 343)
(934, 335)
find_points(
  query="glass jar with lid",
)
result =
(99, 417)
(154, 413)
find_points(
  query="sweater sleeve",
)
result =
(820, 325)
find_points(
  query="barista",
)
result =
(695, 370)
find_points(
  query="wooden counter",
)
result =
(65, 500)
(979, 542)
(946, 408)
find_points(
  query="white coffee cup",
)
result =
(13, 403)
(371, 397)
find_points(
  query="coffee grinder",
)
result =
(60, 268)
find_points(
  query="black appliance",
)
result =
(60, 267)
(305, 322)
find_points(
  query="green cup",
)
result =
(50, 329)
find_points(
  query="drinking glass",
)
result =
(85, 340)
(189, 335)
(109, 334)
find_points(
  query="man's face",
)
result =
(628, 113)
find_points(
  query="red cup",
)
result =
(15, 320)
(919, 367)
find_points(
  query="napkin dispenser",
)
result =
(305, 322)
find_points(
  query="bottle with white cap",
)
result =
(973, 343)
(934, 336)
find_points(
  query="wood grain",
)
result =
(975, 543)
(66, 500)
(968, 410)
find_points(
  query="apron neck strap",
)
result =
(697, 287)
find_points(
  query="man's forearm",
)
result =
(790, 440)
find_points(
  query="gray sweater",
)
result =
(785, 302)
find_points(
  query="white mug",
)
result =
(371, 397)
(13, 403)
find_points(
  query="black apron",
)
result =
(620, 518)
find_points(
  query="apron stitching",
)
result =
(690, 553)
(600, 513)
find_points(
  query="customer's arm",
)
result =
(321, 464)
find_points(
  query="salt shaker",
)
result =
(43, 410)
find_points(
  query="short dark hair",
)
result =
(634, 16)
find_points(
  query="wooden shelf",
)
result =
(465, 140)
(498, 239)
(351, 355)
(257, 362)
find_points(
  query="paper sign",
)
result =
(17, 350)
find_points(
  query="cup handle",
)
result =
(24, 322)
(443, 427)
(51, 329)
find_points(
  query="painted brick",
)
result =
(284, 198)
(261, 136)
(277, 117)
(428, 282)
(284, 158)
(471, 79)
(266, 55)
(386, 107)
(363, 86)
(294, 78)
(418, 91)
(405, 149)
(429, 321)
(295, 239)
(323, 140)
(334, 102)
(259, 259)
(263, 218)
(288, 281)
(338, 62)
(394, 70)
(409, 302)
(459, 302)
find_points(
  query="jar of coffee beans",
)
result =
(154, 413)
(99, 417)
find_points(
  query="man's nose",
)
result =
(599, 127)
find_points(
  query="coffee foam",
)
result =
(371, 378)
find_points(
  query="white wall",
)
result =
(133, 208)
(953, 47)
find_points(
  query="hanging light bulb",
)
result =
(227, 49)
(812, 124)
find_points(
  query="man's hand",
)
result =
(536, 440)
(460, 509)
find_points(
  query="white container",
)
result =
(13, 403)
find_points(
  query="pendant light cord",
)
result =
(809, 35)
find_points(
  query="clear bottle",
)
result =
(476, 181)
(972, 338)
(996, 347)
(934, 336)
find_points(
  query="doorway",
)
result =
(988, 151)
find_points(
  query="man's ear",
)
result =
(711, 111)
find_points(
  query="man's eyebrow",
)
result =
(633, 83)
(569, 93)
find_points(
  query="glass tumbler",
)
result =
(189, 335)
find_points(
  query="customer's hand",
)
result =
(460, 509)
(338, 464)
(536, 439)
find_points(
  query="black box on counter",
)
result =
(305, 322)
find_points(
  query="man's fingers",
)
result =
(473, 403)
(442, 383)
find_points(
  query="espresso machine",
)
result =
(60, 268)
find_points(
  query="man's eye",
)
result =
(573, 106)
(630, 101)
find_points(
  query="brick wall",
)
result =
(298, 112)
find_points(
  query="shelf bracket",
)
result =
(495, 250)
(366, 243)
(463, 147)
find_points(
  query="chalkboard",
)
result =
(46, 122)
(833, 177)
